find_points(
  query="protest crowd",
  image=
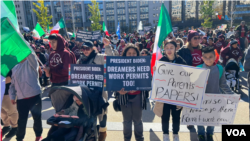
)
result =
(224, 53)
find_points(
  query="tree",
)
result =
(96, 16)
(207, 11)
(42, 18)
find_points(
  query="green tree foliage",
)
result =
(96, 16)
(207, 11)
(42, 18)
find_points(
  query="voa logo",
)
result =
(236, 132)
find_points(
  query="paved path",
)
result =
(151, 123)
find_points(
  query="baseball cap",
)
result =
(88, 44)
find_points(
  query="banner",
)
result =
(130, 73)
(86, 75)
(178, 84)
(81, 36)
(147, 28)
(217, 109)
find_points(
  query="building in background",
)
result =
(183, 13)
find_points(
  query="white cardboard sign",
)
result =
(217, 109)
(179, 84)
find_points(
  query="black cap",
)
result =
(233, 42)
(88, 43)
(207, 49)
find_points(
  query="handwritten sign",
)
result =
(81, 36)
(130, 73)
(217, 109)
(87, 75)
(178, 84)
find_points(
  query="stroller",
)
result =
(232, 75)
(86, 126)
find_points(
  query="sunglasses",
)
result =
(197, 38)
(87, 49)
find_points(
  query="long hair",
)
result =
(129, 46)
(190, 47)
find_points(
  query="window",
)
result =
(190, 10)
(218, 7)
(153, 1)
(120, 4)
(20, 18)
(121, 17)
(110, 12)
(132, 10)
(110, 18)
(144, 3)
(132, 16)
(132, 4)
(176, 10)
(154, 15)
(120, 11)
(144, 16)
(110, 5)
(144, 10)
(157, 15)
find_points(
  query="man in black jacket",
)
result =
(242, 30)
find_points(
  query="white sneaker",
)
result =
(176, 137)
(166, 137)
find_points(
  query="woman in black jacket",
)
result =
(191, 52)
(162, 109)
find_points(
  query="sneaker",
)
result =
(201, 138)
(38, 139)
(166, 137)
(12, 133)
(176, 137)
(210, 138)
(5, 130)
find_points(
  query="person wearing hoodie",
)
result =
(91, 57)
(233, 51)
(59, 61)
(76, 50)
(220, 44)
(26, 89)
(216, 84)
(152, 40)
(163, 110)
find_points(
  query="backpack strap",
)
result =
(220, 69)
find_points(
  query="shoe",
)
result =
(176, 137)
(210, 138)
(12, 133)
(5, 130)
(166, 137)
(201, 138)
(102, 136)
(38, 139)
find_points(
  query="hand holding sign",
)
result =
(122, 92)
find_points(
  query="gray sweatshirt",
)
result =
(24, 79)
(216, 84)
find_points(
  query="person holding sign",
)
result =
(90, 56)
(163, 109)
(216, 82)
(132, 103)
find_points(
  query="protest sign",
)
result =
(130, 73)
(141, 32)
(175, 29)
(217, 109)
(178, 84)
(86, 75)
(81, 36)
(147, 28)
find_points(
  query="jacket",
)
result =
(246, 65)
(232, 53)
(185, 53)
(24, 79)
(239, 29)
(158, 108)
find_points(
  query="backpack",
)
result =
(219, 66)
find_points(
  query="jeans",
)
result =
(201, 130)
(132, 112)
(175, 117)
(34, 105)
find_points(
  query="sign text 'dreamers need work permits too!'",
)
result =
(87, 75)
(179, 84)
(217, 109)
(130, 73)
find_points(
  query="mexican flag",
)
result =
(164, 27)
(104, 28)
(38, 31)
(60, 24)
(13, 47)
(8, 10)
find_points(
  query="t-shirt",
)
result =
(196, 54)
(242, 31)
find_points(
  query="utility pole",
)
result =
(73, 19)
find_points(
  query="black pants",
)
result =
(43, 80)
(34, 105)
(175, 117)
(59, 84)
(104, 121)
